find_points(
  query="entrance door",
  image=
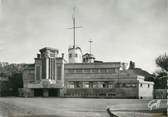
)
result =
(53, 92)
(38, 92)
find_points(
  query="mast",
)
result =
(74, 27)
(73, 18)
(90, 46)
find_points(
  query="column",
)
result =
(91, 84)
(45, 92)
(47, 68)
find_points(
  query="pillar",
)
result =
(90, 84)
(45, 93)
(47, 68)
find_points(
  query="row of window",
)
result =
(93, 70)
(99, 85)
(74, 55)
(88, 94)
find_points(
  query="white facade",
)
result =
(75, 55)
(145, 88)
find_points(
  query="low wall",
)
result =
(102, 92)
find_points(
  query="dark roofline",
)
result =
(93, 63)
(75, 48)
(49, 48)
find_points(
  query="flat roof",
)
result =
(93, 63)
(48, 48)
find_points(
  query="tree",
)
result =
(15, 82)
(160, 80)
(162, 62)
(162, 75)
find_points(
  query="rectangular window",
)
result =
(71, 84)
(37, 72)
(95, 70)
(71, 70)
(103, 70)
(111, 70)
(123, 85)
(110, 85)
(86, 70)
(70, 55)
(59, 70)
(78, 70)
(43, 69)
(85, 84)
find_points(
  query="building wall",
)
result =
(145, 90)
(102, 92)
(28, 77)
(47, 75)
(99, 80)
(51, 74)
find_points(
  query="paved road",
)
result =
(72, 107)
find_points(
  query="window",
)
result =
(70, 55)
(133, 85)
(85, 84)
(86, 70)
(148, 85)
(37, 72)
(111, 94)
(111, 70)
(103, 70)
(59, 69)
(95, 70)
(124, 85)
(71, 84)
(78, 70)
(76, 55)
(110, 85)
(141, 85)
(71, 70)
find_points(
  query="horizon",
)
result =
(121, 31)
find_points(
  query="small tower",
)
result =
(75, 52)
(45, 64)
(75, 55)
(89, 57)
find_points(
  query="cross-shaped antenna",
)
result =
(90, 46)
(74, 27)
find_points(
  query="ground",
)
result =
(76, 107)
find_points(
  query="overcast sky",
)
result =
(121, 30)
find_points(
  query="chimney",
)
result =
(38, 56)
(132, 65)
(62, 55)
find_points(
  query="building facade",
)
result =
(104, 80)
(47, 77)
(52, 76)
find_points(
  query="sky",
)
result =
(121, 30)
